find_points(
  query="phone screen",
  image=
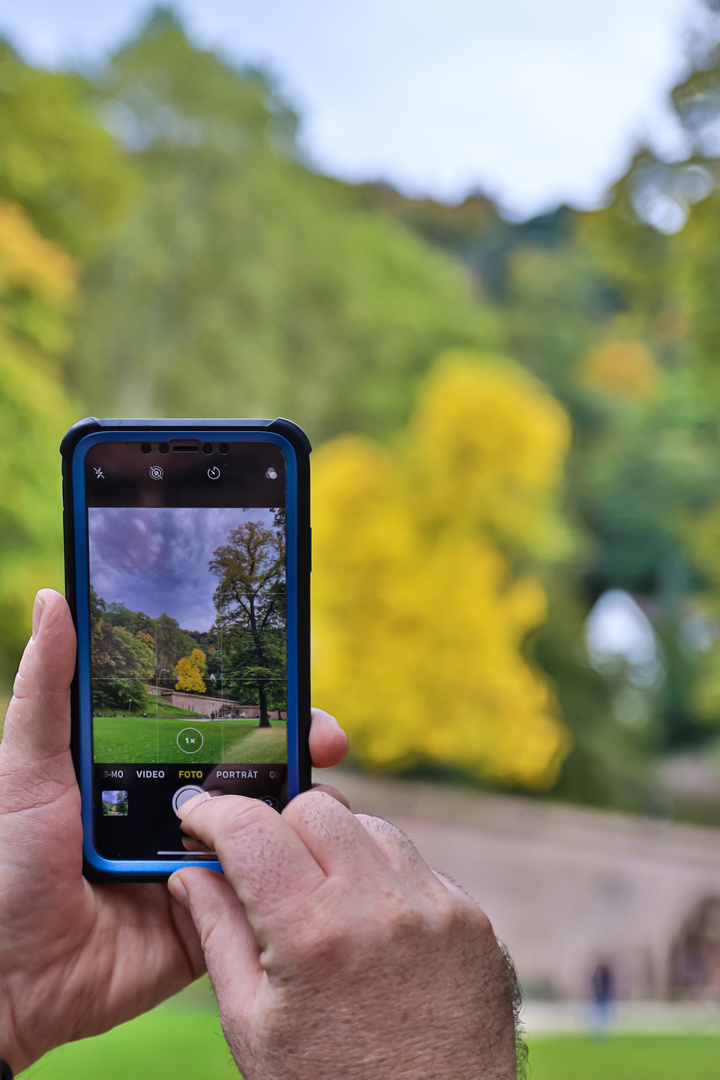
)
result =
(187, 621)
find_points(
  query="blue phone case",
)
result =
(296, 448)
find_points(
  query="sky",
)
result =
(155, 560)
(532, 103)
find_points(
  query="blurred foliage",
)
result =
(456, 568)
(237, 261)
(419, 619)
(57, 161)
(617, 312)
(623, 369)
(37, 283)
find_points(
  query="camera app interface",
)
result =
(187, 620)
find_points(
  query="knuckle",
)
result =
(446, 918)
(405, 919)
(378, 825)
(458, 918)
(315, 811)
(396, 920)
(308, 803)
(333, 792)
(479, 933)
(228, 820)
(480, 922)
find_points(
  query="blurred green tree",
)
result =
(241, 280)
(37, 282)
(57, 161)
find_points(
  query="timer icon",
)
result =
(213, 473)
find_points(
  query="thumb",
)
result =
(232, 955)
(37, 726)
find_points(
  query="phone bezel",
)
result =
(96, 865)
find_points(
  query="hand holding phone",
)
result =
(76, 958)
(335, 951)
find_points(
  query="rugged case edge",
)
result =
(302, 447)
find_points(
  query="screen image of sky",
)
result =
(156, 559)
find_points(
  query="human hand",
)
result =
(335, 951)
(76, 958)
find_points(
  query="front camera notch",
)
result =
(184, 448)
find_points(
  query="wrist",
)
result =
(14, 1054)
(12, 1059)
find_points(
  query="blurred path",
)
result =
(631, 1018)
(564, 886)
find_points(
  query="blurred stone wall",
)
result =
(567, 887)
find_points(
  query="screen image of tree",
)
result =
(188, 635)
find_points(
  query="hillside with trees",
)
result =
(513, 420)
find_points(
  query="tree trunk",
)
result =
(262, 695)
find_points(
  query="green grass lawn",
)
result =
(151, 739)
(625, 1057)
(178, 1042)
(160, 1044)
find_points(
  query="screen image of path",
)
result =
(188, 635)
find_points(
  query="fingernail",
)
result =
(184, 809)
(176, 885)
(38, 608)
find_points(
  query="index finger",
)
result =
(263, 858)
(328, 741)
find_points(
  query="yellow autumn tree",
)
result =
(189, 672)
(37, 282)
(419, 619)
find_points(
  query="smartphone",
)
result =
(187, 555)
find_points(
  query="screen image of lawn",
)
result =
(170, 740)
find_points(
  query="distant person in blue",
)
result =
(603, 996)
